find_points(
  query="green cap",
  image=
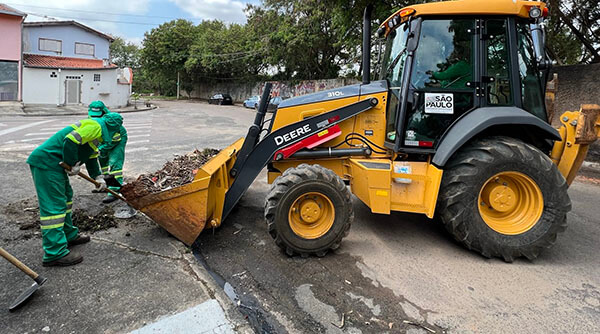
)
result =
(97, 109)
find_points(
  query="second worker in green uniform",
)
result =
(112, 154)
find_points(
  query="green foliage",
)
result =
(306, 39)
(124, 54)
(574, 31)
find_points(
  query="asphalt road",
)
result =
(390, 269)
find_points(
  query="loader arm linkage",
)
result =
(262, 153)
(579, 129)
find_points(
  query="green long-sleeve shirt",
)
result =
(455, 76)
(76, 143)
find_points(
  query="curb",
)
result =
(74, 113)
(237, 320)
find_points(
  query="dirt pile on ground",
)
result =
(103, 220)
(175, 173)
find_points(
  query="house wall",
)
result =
(43, 88)
(10, 42)
(68, 34)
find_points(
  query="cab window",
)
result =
(497, 77)
(531, 86)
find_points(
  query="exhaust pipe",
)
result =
(366, 46)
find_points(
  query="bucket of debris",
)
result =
(187, 194)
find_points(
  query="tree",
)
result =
(124, 54)
(574, 31)
(224, 52)
(164, 54)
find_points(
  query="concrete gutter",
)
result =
(53, 113)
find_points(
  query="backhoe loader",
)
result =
(455, 127)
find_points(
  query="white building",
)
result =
(66, 63)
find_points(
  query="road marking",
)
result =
(32, 139)
(39, 133)
(137, 124)
(137, 136)
(2, 124)
(138, 142)
(138, 131)
(24, 126)
(53, 129)
(137, 149)
(137, 127)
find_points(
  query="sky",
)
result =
(129, 19)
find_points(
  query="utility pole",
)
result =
(178, 85)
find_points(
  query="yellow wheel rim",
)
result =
(311, 215)
(511, 203)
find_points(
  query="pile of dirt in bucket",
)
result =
(175, 173)
(103, 220)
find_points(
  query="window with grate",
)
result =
(96, 77)
(84, 49)
(51, 45)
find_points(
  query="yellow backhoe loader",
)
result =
(454, 127)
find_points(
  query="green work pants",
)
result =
(55, 198)
(111, 162)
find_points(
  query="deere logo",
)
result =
(292, 135)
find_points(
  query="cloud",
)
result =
(230, 11)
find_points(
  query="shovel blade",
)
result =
(24, 297)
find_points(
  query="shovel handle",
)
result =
(87, 178)
(18, 264)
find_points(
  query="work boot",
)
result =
(68, 260)
(81, 239)
(109, 199)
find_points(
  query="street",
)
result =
(396, 273)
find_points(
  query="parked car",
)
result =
(274, 103)
(252, 102)
(221, 99)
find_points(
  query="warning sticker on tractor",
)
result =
(439, 103)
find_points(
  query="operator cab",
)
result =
(441, 63)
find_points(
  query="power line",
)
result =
(90, 19)
(106, 13)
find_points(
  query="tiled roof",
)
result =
(64, 62)
(4, 9)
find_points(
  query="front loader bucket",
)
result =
(184, 211)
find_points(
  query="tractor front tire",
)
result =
(503, 198)
(309, 211)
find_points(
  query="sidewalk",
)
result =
(134, 277)
(17, 109)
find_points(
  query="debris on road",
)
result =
(343, 324)
(408, 322)
(175, 173)
(101, 221)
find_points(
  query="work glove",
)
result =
(101, 183)
(74, 169)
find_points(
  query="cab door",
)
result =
(442, 83)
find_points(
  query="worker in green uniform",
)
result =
(74, 145)
(112, 153)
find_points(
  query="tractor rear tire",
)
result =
(503, 198)
(309, 211)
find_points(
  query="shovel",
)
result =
(124, 212)
(39, 280)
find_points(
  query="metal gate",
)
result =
(73, 91)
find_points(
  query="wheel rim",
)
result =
(311, 215)
(511, 203)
